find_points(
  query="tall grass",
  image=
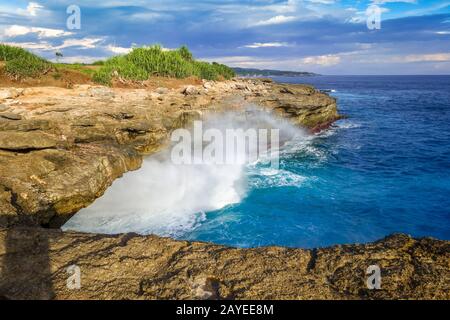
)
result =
(138, 65)
(143, 62)
(20, 63)
(80, 67)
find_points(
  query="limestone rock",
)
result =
(101, 92)
(130, 266)
(10, 116)
(8, 213)
(162, 90)
(10, 93)
(18, 141)
(190, 90)
(208, 85)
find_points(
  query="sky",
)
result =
(322, 36)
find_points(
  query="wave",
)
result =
(269, 178)
(170, 199)
(347, 124)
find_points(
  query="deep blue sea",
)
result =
(382, 170)
(385, 169)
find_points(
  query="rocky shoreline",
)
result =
(60, 149)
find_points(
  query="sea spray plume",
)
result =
(170, 199)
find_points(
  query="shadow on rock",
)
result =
(25, 265)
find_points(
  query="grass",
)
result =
(20, 63)
(87, 69)
(141, 63)
(138, 65)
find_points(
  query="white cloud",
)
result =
(427, 10)
(289, 7)
(16, 30)
(43, 45)
(79, 59)
(433, 57)
(324, 60)
(256, 45)
(31, 10)
(301, 64)
(322, 1)
(397, 59)
(118, 50)
(393, 1)
(84, 43)
(443, 32)
(275, 20)
(148, 16)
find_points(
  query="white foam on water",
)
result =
(347, 124)
(161, 198)
(269, 178)
(169, 199)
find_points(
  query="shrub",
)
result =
(143, 62)
(20, 63)
(121, 66)
(98, 63)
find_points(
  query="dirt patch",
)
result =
(157, 82)
(58, 78)
(66, 78)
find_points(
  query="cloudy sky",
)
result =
(324, 36)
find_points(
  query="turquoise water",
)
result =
(385, 169)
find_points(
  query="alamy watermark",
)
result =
(74, 20)
(373, 14)
(225, 146)
(74, 280)
(374, 279)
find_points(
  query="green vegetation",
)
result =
(141, 63)
(20, 63)
(80, 67)
(138, 65)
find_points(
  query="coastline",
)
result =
(62, 148)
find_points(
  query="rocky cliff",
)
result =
(60, 149)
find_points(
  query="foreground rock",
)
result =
(35, 263)
(60, 149)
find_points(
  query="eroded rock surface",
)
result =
(129, 266)
(60, 149)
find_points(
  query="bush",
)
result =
(8, 53)
(20, 63)
(185, 53)
(98, 63)
(143, 62)
(119, 66)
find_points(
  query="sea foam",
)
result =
(170, 199)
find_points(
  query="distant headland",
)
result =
(250, 72)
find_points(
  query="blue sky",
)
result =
(324, 36)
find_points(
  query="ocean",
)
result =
(384, 169)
